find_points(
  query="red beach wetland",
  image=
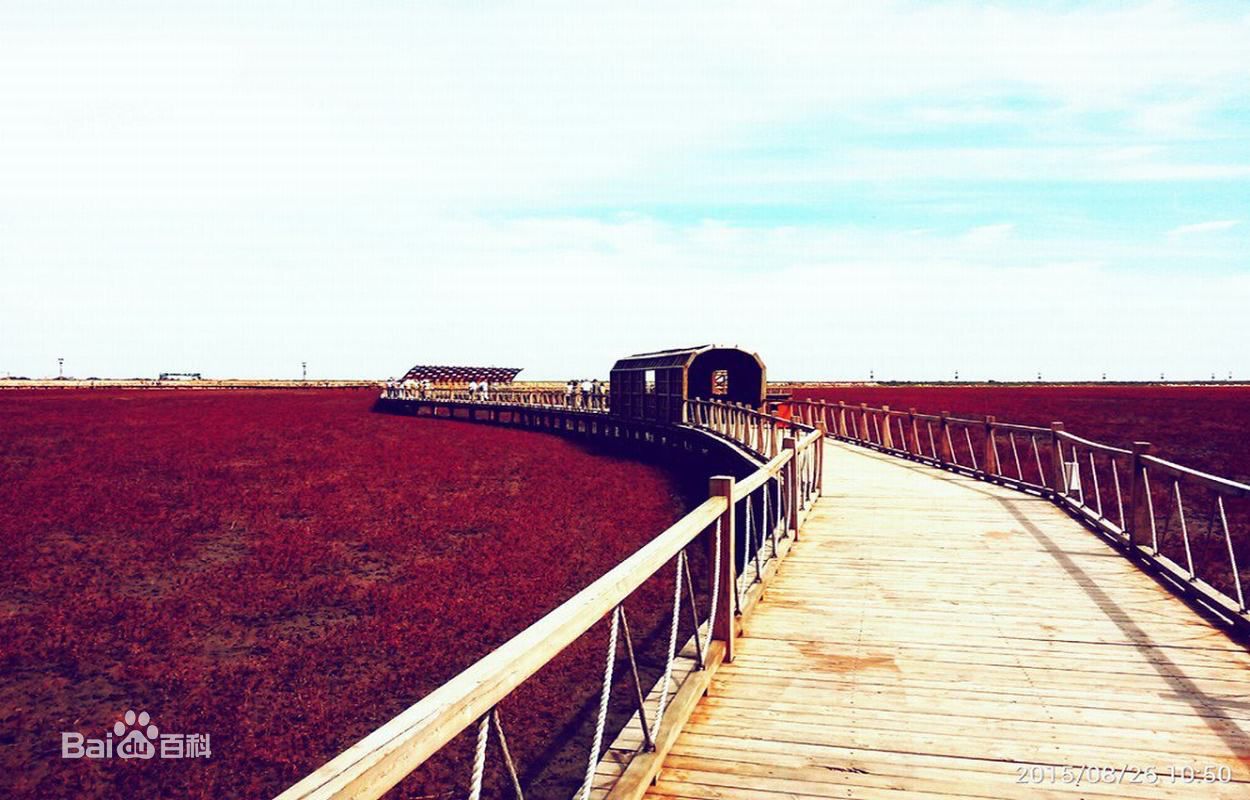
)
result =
(284, 571)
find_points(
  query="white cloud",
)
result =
(1130, 153)
(515, 103)
(988, 235)
(1204, 227)
(1173, 120)
(997, 163)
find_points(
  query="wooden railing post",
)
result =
(724, 628)
(1138, 517)
(842, 420)
(887, 438)
(866, 435)
(790, 445)
(820, 455)
(945, 456)
(1058, 474)
(990, 459)
(915, 433)
(824, 416)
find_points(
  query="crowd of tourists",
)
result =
(407, 389)
(585, 394)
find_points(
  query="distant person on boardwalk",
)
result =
(586, 387)
(569, 389)
(596, 393)
(472, 389)
(484, 389)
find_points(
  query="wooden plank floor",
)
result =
(933, 636)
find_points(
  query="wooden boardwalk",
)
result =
(935, 636)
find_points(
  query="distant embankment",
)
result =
(221, 383)
(144, 383)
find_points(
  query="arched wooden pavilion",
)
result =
(655, 386)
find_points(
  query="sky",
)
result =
(901, 189)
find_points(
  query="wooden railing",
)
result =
(759, 432)
(1171, 519)
(764, 511)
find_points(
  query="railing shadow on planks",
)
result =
(1172, 520)
(770, 506)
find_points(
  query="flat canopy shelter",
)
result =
(655, 386)
(456, 375)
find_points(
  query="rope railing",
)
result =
(1190, 526)
(772, 502)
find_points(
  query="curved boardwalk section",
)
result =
(931, 635)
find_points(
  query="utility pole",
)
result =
(60, 367)
(304, 366)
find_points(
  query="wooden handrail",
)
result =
(755, 480)
(1015, 426)
(1224, 486)
(894, 412)
(1099, 446)
(377, 762)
